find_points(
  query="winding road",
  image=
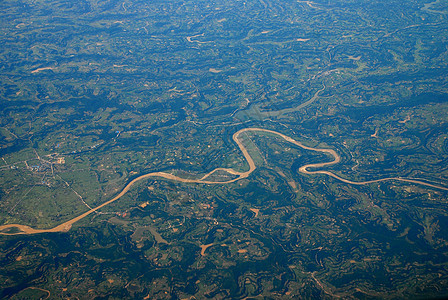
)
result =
(64, 227)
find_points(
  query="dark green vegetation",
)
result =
(95, 93)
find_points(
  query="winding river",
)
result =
(64, 227)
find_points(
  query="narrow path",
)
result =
(258, 113)
(64, 227)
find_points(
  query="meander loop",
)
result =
(64, 227)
